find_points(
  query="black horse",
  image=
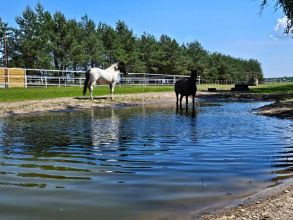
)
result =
(186, 87)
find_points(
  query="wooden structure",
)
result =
(212, 89)
(252, 79)
(240, 87)
(12, 77)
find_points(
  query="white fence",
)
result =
(46, 81)
(45, 78)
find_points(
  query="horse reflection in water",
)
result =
(104, 131)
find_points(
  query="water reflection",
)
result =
(139, 162)
(104, 130)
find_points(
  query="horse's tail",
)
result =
(86, 82)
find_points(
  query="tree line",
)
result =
(51, 41)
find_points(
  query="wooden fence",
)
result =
(12, 77)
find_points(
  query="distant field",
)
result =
(275, 88)
(268, 88)
(20, 94)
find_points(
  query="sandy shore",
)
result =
(272, 203)
(80, 103)
(269, 204)
(282, 108)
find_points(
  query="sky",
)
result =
(232, 27)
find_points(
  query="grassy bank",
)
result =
(268, 88)
(21, 94)
(273, 88)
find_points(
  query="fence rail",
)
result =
(79, 81)
(45, 78)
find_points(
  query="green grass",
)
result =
(204, 87)
(268, 88)
(273, 88)
(21, 94)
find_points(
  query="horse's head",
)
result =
(193, 74)
(122, 67)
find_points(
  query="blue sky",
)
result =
(232, 27)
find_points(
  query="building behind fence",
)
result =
(17, 77)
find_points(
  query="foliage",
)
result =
(51, 41)
(287, 7)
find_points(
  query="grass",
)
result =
(204, 87)
(22, 94)
(268, 88)
(273, 88)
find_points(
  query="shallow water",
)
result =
(138, 163)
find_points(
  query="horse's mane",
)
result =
(112, 66)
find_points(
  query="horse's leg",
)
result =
(112, 87)
(91, 88)
(193, 96)
(177, 94)
(91, 91)
(181, 97)
(186, 97)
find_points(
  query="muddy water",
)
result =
(138, 163)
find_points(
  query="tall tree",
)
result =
(197, 56)
(108, 37)
(3, 30)
(147, 48)
(170, 56)
(33, 37)
(125, 45)
(75, 56)
(63, 38)
(92, 43)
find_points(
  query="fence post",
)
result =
(25, 79)
(8, 78)
(46, 83)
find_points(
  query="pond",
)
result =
(146, 162)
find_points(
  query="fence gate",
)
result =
(12, 77)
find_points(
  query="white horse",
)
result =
(110, 76)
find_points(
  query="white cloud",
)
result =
(280, 27)
(281, 24)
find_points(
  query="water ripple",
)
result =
(132, 162)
